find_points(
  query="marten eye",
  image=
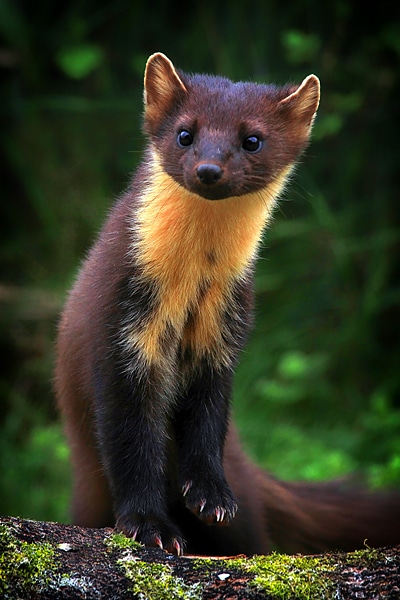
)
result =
(252, 144)
(184, 138)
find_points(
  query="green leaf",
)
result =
(79, 61)
(300, 47)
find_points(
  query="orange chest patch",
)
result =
(195, 250)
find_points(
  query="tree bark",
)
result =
(54, 561)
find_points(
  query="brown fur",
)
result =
(195, 255)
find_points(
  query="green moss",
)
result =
(152, 581)
(23, 566)
(287, 577)
(364, 557)
(119, 541)
(201, 563)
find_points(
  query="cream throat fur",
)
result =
(194, 249)
(179, 231)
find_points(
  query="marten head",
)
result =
(220, 139)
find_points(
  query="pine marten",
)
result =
(153, 327)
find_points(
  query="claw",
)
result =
(176, 545)
(186, 487)
(220, 514)
(134, 533)
(202, 505)
(158, 542)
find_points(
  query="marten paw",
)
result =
(212, 504)
(156, 533)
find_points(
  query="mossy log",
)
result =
(50, 560)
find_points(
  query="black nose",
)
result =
(209, 173)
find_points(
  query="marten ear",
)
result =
(162, 87)
(302, 103)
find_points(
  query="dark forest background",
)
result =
(318, 391)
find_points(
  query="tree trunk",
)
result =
(49, 560)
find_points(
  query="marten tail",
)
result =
(316, 517)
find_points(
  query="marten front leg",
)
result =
(200, 428)
(131, 430)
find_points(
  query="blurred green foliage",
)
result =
(318, 390)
